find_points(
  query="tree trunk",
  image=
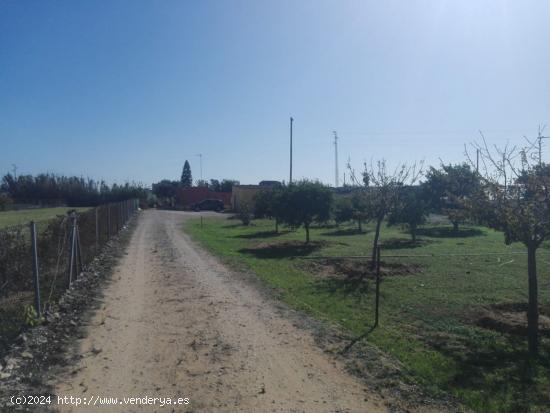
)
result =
(455, 227)
(533, 308)
(413, 233)
(360, 225)
(276, 226)
(375, 244)
(307, 233)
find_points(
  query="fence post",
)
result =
(109, 221)
(96, 229)
(73, 240)
(78, 251)
(35, 274)
(377, 305)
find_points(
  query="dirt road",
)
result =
(175, 322)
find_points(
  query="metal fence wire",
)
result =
(27, 290)
(486, 288)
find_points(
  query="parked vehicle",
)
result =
(208, 205)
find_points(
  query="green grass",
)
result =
(39, 215)
(429, 314)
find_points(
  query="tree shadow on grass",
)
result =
(285, 249)
(236, 225)
(262, 234)
(503, 373)
(344, 232)
(448, 232)
(345, 286)
(401, 243)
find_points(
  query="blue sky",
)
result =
(127, 90)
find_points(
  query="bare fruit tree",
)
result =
(515, 199)
(382, 188)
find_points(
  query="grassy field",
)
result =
(455, 323)
(39, 215)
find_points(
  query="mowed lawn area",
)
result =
(39, 215)
(456, 323)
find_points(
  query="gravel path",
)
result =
(175, 322)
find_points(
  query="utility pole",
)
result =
(200, 162)
(291, 122)
(540, 138)
(335, 159)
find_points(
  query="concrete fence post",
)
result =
(96, 229)
(35, 272)
(108, 221)
(73, 250)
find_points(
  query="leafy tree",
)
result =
(214, 185)
(4, 201)
(202, 182)
(269, 204)
(343, 210)
(305, 202)
(449, 189)
(244, 213)
(515, 198)
(227, 185)
(411, 209)
(165, 188)
(186, 177)
(354, 208)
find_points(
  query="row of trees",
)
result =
(383, 196)
(510, 193)
(51, 189)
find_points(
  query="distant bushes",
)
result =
(50, 189)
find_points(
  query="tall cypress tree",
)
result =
(186, 178)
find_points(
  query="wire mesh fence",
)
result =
(64, 246)
(486, 289)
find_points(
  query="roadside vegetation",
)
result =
(456, 323)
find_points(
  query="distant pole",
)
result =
(540, 138)
(477, 160)
(336, 183)
(291, 122)
(36, 282)
(14, 168)
(540, 146)
(200, 163)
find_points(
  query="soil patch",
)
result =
(510, 318)
(356, 269)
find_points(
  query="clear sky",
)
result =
(128, 90)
